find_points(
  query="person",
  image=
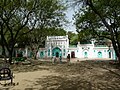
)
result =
(60, 59)
(68, 58)
(54, 60)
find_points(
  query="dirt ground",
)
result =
(82, 75)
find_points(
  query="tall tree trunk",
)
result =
(35, 56)
(115, 43)
(4, 53)
(10, 56)
(115, 48)
(3, 50)
(11, 53)
(2, 43)
(36, 51)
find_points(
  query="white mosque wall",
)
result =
(85, 51)
(90, 51)
(61, 42)
(103, 50)
(80, 51)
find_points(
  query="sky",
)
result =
(70, 26)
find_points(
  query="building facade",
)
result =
(59, 46)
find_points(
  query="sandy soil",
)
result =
(82, 75)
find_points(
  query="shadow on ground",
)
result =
(84, 75)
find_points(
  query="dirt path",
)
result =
(84, 75)
(28, 79)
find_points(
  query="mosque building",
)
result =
(56, 46)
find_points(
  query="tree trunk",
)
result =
(35, 56)
(3, 50)
(11, 54)
(10, 57)
(117, 51)
(4, 53)
(2, 44)
(116, 45)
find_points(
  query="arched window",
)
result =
(99, 54)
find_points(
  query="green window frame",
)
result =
(64, 50)
(48, 52)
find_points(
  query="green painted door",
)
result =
(31, 54)
(85, 54)
(56, 52)
(99, 54)
(41, 54)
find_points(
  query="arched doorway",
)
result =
(72, 54)
(56, 52)
(41, 54)
(99, 54)
(109, 53)
(85, 54)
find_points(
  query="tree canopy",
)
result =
(18, 18)
(102, 17)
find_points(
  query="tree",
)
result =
(87, 25)
(16, 15)
(73, 38)
(37, 37)
(107, 19)
(51, 17)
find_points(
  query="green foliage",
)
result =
(51, 13)
(102, 17)
(56, 32)
(38, 36)
(86, 20)
(20, 17)
(73, 38)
